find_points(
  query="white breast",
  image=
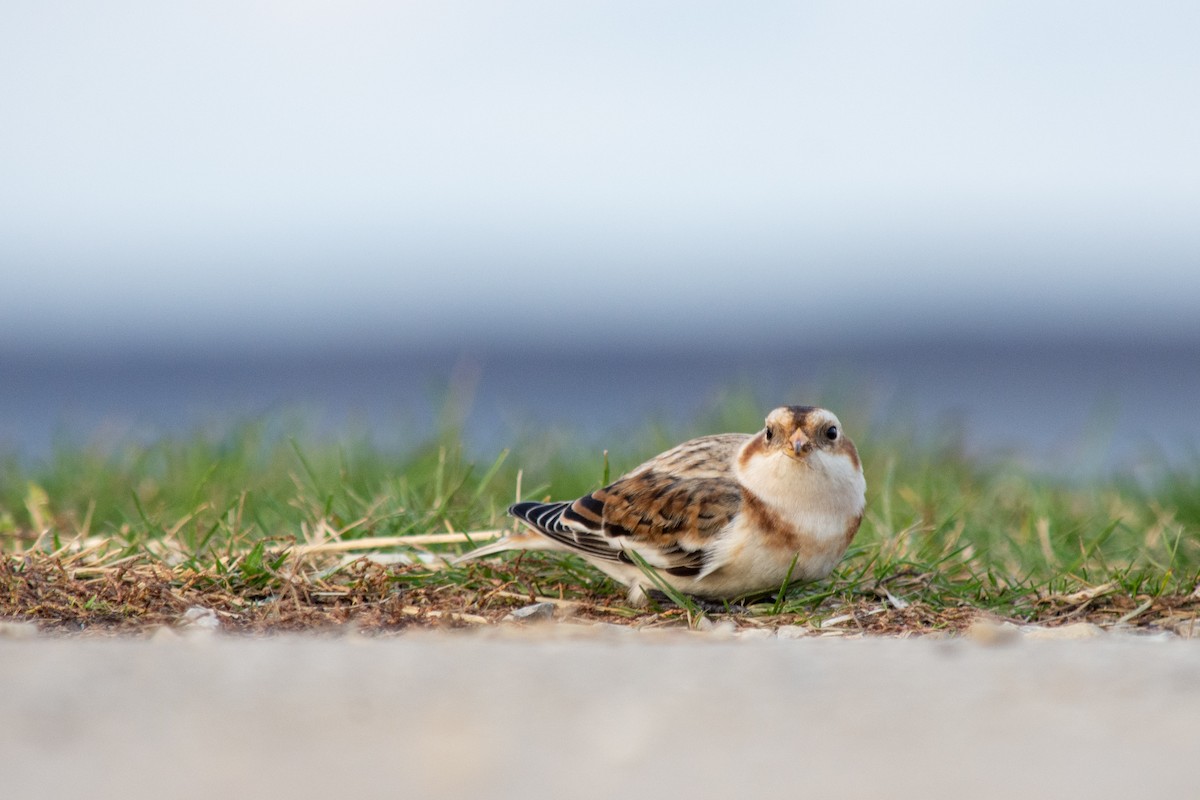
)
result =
(820, 496)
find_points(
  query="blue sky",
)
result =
(294, 173)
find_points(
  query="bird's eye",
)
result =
(770, 434)
(831, 433)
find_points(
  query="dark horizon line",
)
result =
(375, 349)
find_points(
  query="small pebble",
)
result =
(1187, 628)
(530, 613)
(755, 633)
(1077, 630)
(10, 629)
(202, 618)
(163, 633)
(793, 632)
(990, 632)
(723, 629)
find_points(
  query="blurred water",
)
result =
(1073, 407)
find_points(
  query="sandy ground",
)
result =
(610, 716)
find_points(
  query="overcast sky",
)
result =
(218, 173)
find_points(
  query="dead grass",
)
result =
(90, 588)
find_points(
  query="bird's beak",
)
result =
(800, 444)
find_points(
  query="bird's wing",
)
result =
(669, 509)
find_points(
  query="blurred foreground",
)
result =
(680, 716)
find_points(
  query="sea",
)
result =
(1069, 407)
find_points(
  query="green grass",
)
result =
(941, 529)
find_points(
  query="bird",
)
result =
(721, 517)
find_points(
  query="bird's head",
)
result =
(800, 431)
(803, 460)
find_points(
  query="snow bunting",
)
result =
(720, 517)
